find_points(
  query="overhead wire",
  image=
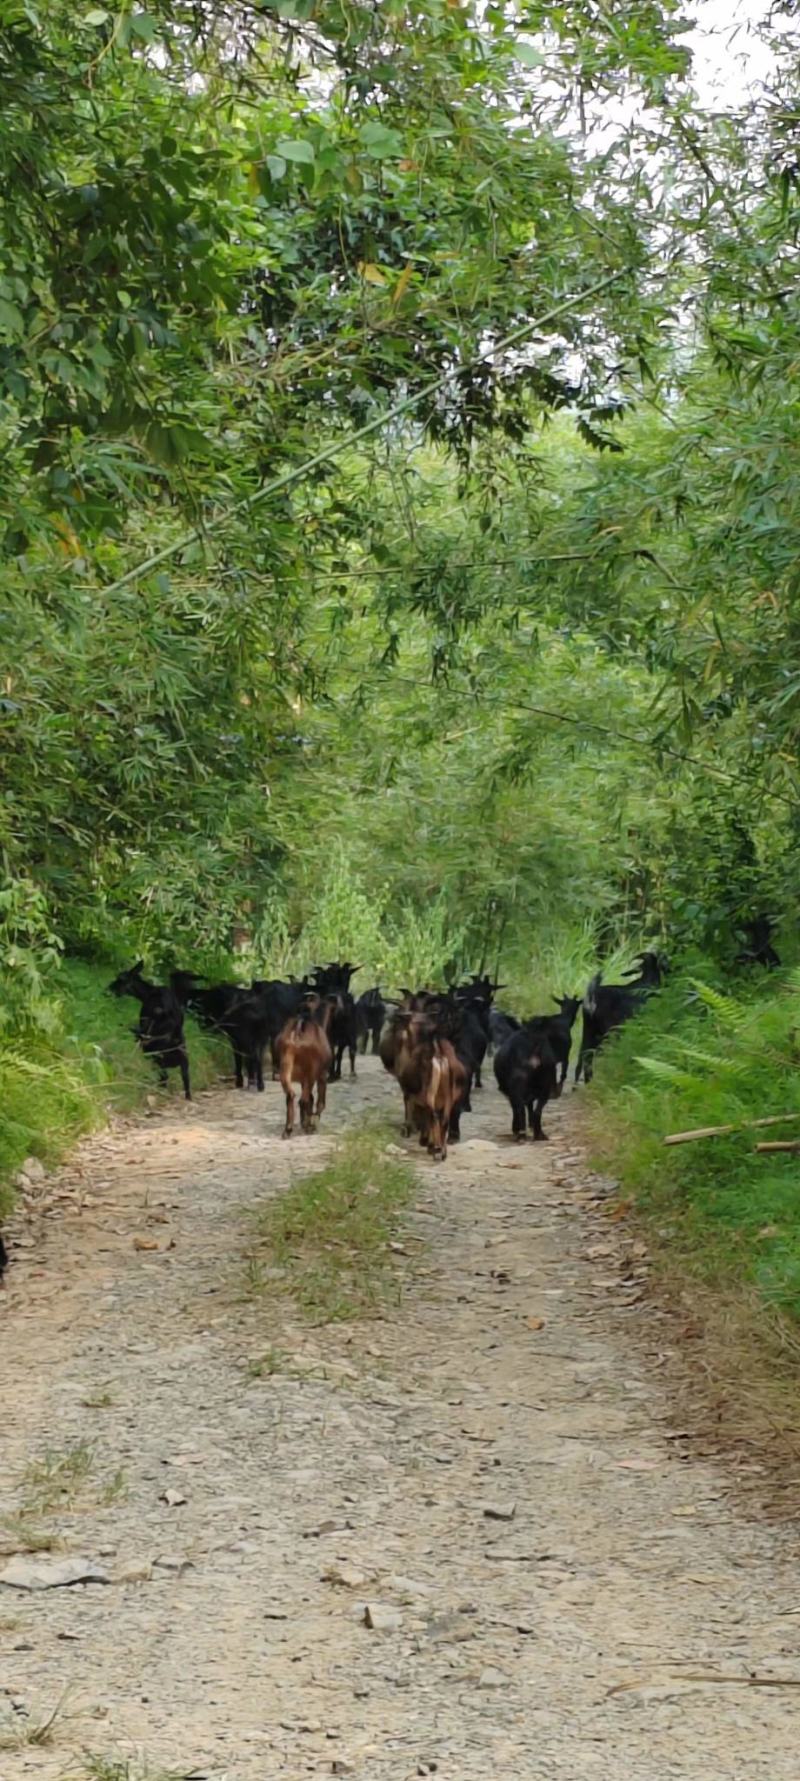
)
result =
(329, 453)
(417, 566)
(729, 774)
(288, 478)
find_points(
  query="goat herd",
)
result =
(433, 1041)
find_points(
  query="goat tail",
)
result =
(590, 998)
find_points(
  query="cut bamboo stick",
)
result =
(723, 1131)
(781, 1144)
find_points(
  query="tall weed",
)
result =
(338, 917)
(560, 962)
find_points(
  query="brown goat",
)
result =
(433, 1105)
(304, 1055)
(430, 1076)
(398, 1052)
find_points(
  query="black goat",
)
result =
(160, 1028)
(234, 1011)
(282, 1001)
(475, 1001)
(558, 1030)
(482, 987)
(501, 1026)
(336, 976)
(333, 981)
(251, 1019)
(525, 1069)
(607, 1006)
(3, 1258)
(758, 949)
(371, 1012)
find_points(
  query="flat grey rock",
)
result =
(497, 1511)
(382, 1619)
(51, 1573)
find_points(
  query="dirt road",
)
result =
(510, 1495)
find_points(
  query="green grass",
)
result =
(330, 1231)
(265, 1366)
(58, 1478)
(20, 1534)
(53, 1090)
(92, 1767)
(37, 1732)
(66, 1479)
(701, 1056)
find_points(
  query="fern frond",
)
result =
(738, 1065)
(658, 1066)
(729, 1012)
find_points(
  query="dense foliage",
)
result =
(398, 491)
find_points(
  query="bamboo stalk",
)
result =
(723, 1131)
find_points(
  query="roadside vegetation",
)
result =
(399, 512)
(703, 1055)
(61, 1078)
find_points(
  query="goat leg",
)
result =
(286, 1084)
(535, 1114)
(518, 1120)
(584, 1064)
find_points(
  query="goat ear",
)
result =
(139, 966)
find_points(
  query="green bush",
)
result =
(59, 1083)
(702, 1056)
